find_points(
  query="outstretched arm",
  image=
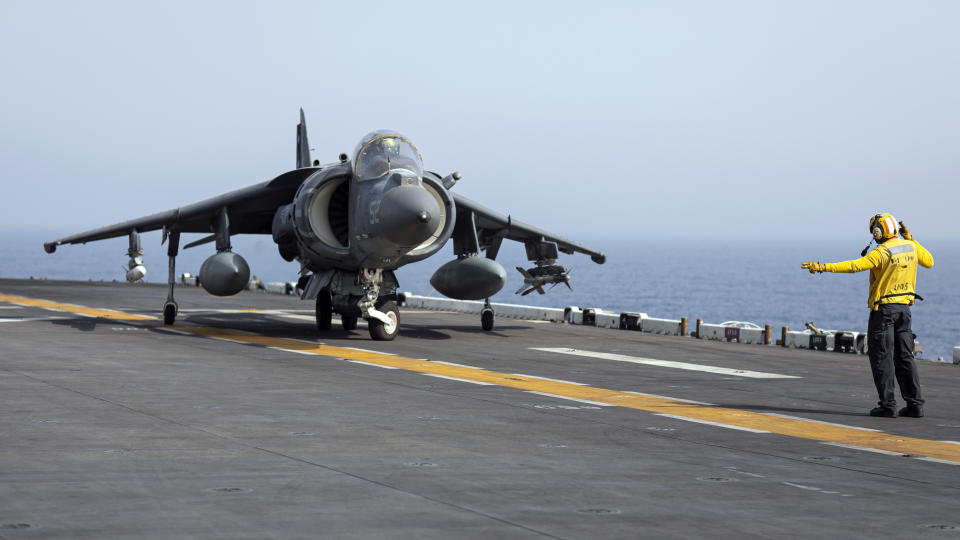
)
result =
(871, 260)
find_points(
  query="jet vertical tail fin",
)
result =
(303, 147)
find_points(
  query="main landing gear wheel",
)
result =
(486, 319)
(349, 323)
(169, 313)
(380, 331)
(324, 310)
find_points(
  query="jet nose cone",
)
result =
(406, 215)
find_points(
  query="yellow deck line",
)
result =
(74, 308)
(791, 427)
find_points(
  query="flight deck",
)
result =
(243, 421)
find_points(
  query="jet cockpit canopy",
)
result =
(383, 153)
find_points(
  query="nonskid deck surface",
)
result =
(242, 422)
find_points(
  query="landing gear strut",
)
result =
(170, 307)
(486, 316)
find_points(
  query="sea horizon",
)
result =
(755, 280)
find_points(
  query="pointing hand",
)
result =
(813, 267)
(905, 232)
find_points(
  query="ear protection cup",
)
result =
(875, 229)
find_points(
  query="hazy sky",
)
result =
(660, 118)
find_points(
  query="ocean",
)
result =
(714, 279)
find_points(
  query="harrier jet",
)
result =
(350, 224)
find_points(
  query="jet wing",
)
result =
(493, 227)
(250, 210)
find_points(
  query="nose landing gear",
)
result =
(383, 330)
(356, 296)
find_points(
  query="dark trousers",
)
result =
(890, 343)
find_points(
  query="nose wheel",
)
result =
(486, 316)
(382, 330)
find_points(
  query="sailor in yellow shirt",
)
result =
(893, 288)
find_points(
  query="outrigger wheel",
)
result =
(486, 316)
(169, 313)
(381, 331)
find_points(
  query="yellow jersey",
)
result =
(893, 270)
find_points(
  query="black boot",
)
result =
(913, 411)
(886, 412)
